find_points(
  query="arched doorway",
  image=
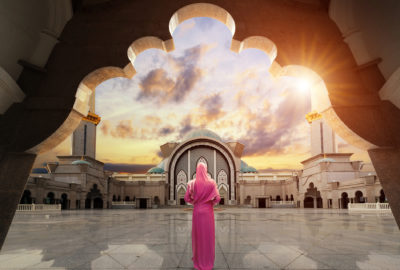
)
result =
(359, 197)
(201, 147)
(345, 200)
(50, 198)
(114, 198)
(382, 197)
(64, 201)
(291, 197)
(309, 202)
(222, 194)
(26, 197)
(315, 195)
(262, 202)
(127, 198)
(94, 198)
(98, 203)
(278, 198)
(156, 201)
(181, 195)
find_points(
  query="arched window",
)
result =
(359, 197)
(202, 160)
(344, 200)
(181, 178)
(382, 197)
(222, 178)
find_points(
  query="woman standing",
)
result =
(202, 192)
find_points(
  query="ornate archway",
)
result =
(207, 142)
(86, 50)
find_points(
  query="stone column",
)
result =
(386, 162)
(301, 199)
(14, 172)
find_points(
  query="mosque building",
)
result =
(328, 179)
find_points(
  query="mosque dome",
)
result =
(80, 161)
(202, 133)
(39, 170)
(244, 168)
(158, 169)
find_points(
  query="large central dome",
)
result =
(202, 133)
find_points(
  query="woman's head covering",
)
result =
(205, 188)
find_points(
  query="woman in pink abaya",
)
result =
(202, 192)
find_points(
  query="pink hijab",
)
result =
(203, 187)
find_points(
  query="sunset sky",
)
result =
(202, 84)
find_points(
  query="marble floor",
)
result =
(160, 239)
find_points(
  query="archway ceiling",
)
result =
(93, 47)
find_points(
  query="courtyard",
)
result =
(161, 239)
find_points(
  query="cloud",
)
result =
(166, 130)
(124, 129)
(156, 84)
(186, 126)
(151, 119)
(159, 86)
(105, 127)
(273, 132)
(185, 27)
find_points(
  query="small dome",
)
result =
(156, 170)
(202, 133)
(40, 170)
(244, 168)
(80, 161)
(161, 164)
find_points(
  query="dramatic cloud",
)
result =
(158, 84)
(272, 132)
(166, 131)
(124, 129)
(212, 107)
(105, 127)
(186, 126)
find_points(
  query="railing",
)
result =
(124, 203)
(282, 204)
(369, 207)
(38, 207)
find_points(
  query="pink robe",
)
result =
(203, 194)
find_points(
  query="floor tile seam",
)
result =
(268, 258)
(223, 255)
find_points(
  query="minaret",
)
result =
(323, 139)
(84, 137)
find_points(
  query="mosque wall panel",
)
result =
(222, 164)
(182, 164)
(198, 152)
